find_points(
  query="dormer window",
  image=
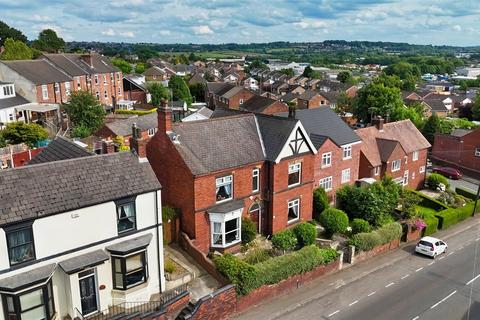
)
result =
(224, 188)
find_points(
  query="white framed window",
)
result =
(67, 88)
(405, 177)
(294, 173)
(422, 169)
(225, 228)
(376, 170)
(57, 87)
(151, 131)
(346, 175)
(224, 188)
(415, 156)
(293, 210)
(255, 180)
(326, 159)
(347, 152)
(326, 183)
(44, 91)
(477, 152)
(396, 165)
(104, 79)
(241, 101)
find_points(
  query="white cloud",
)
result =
(202, 30)
(127, 34)
(109, 32)
(311, 24)
(165, 32)
(457, 28)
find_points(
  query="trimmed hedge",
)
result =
(366, 241)
(429, 202)
(466, 193)
(451, 216)
(334, 221)
(360, 225)
(247, 277)
(284, 240)
(435, 179)
(432, 225)
(137, 112)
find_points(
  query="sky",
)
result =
(437, 22)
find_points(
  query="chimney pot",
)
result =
(291, 112)
(378, 122)
(164, 117)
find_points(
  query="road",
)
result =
(466, 183)
(410, 287)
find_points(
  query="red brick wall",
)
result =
(54, 97)
(276, 107)
(234, 102)
(365, 255)
(315, 102)
(338, 164)
(22, 158)
(111, 86)
(460, 151)
(221, 304)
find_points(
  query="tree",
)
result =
(476, 107)
(7, 32)
(288, 72)
(180, 91)
(16, 50)
(49, 41)
(403, 70)
(344, 104)
(408, 202)
(21, 132)
(123, 65)
(320, 201)
(432, 126)
(409, 83)
(180, 59)
(120, 142)
(345, 77)
(158, 92)
(140, 67)
(192, 56)
(333, 221)
(308, 72)
(257, 64)
(85, 112)
(198, 91)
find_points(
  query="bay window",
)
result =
(126, 215)
(36, 304)
(293, 210)
(20, 244)
(224, 188)
(225, 228)
(294, 173)
(129, 271)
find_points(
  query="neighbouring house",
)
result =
(461, 148)
(435, 106)
(10, 104)
(123, 127)
(232, 77)
(338, 148)
(219, 170)
(202, 114)
(156, 73)
(80, 235)
(135, 89)
(395, 149)
(328, 85)
(259, 104)
(290, 98)
(331, 98)
(197, 78)
(16, 155)
(251, 83)
(226, 95)
(311, 99)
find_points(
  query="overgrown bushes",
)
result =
(306, 233)
(247, 277)
(284, 240)
(434, 180)
(249, 230)
(367, 241)
(360, 225)
(334, 221)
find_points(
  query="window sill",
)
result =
(132, 289)
(326, 166)
(227, 245)
(224, 200)
(396, 170)
(293, 221)
(294, 185)
(347, 158)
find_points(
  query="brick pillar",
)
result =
(108, 146)
(138, 145)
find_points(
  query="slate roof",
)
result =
(206, 112)
(219, 143)
(38, 71)
(82, 261)
(18, 100)
(257, 103)
(288, 97)
(154, 71)
(219, 88)
(275, 132)
(460, 132)
(67, 64)
(197, 78)
(232, 92)
(74, 65)
(131, 245)
(60, 149)
(403, 131)
(24, 279)
(308, 95)
(436, 105)
(124, 127)
(331, 96)
(228, 206)
(324, 122)
(34, 191)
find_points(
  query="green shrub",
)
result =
(136, 112)
(434, 180)
(306, 233)
(360, 225)
(334, 221)
(257, 255)
(276, 269)
(284, 240)
(452, 216)
(390, 232)
(426, 201)
(170, 266)
(365, 241)
(249, 230)
(320, 201)
(240, 273)
(432, 225)
(466, 193)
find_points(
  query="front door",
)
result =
(88, 291)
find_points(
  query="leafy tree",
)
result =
(392, 81)
(466, 112)
(120, 142)
(180, 89)
(413, 112)
(345, 77)
(85, 112)
(198, 91)
(123, 65)
(21, 132)
(180, 59)
(140, 67)
(3, 142)
(344, 104)
(257, 64)
(320, 201)
(192, 56)
(409, 83)
(16, 50)
(403, 70)
(476, 107)
(432, 126)
(408, 202)
(308, 72)
(289, 72)
(49, 41)
(158, 92)
(8, 32)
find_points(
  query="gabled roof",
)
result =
(35, 191)
(460, 132)
(66, 64)
(206, 112)
(72, 63)
(436, 105)
(197, 78)
(124, 127)
(60, 149)
(18, 100)
(403, 131)
(38, 71)
(308, 95)
(219, 88)
(275, 132)
(331, 96)
(288, 97)
(324, 122)
(257, 103)
(232, 92)
(154, 71)
(386, 148)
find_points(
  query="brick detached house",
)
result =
(265, 105)
(461, 148)
(338, 148)
(219, 170)
(395, 149)
(226, 95)
(310, 99)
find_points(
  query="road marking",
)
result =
(431, 263)
(441, 258)
(421, 268)
(351, 304)
(340, 285)
(477, 239)
(416, 318)
(334, 313)
(405, 276)
(469, 282)
(371, 293)
(460, 248)
(450, 253)
(436, 304)
(390, 284)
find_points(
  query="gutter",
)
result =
(158, 244)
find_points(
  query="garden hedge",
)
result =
(432, 225)
(466, 193)
(284, 240)
(429, 202)
(451, 216)
(366, 241)
(137, 112)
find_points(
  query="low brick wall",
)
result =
(365, 255)
(220, 304)
(413, 234)
(201, 258)
(266, 292)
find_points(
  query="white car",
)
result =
(431, 247)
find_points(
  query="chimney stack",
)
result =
(88, 59)
(108, 146)
(164, 117)
(378, 122)
(291, 112)
(138, 145)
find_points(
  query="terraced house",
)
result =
(219, 170)
(78, 234)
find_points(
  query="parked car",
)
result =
(431, 247)
(448, 172)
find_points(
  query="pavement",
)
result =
(395, 285)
